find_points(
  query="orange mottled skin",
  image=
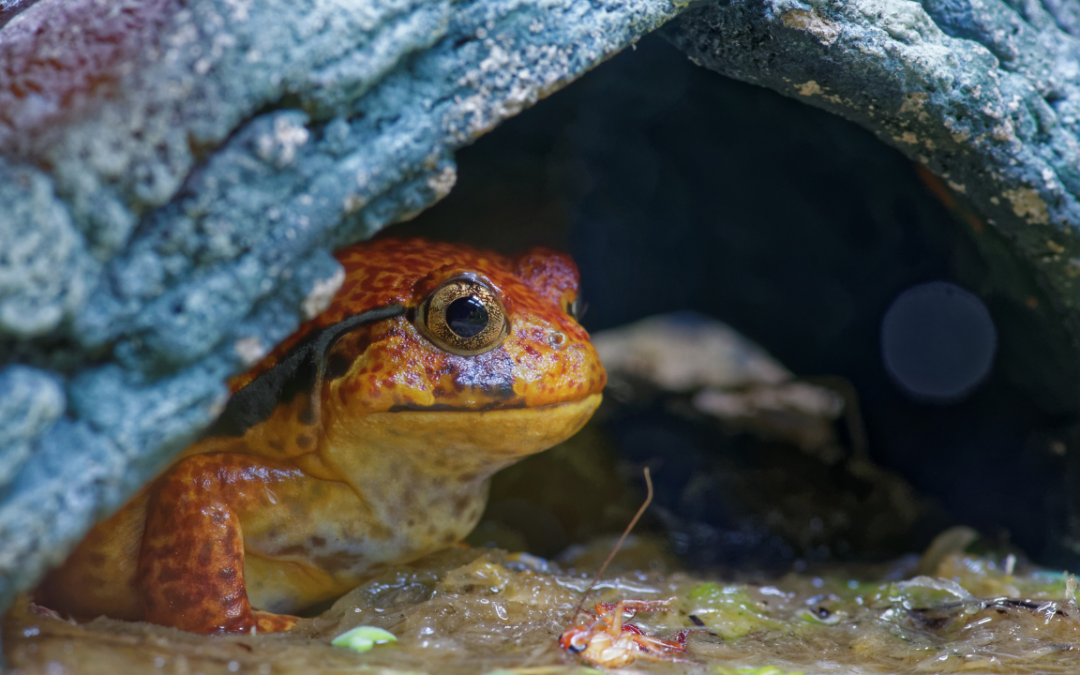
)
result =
(293, 509)
(536, 288)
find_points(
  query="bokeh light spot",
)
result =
(938, 341)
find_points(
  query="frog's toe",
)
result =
(268, 622)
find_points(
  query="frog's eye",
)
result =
(463, 316)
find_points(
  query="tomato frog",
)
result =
(366, 439)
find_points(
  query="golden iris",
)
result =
(463, 316)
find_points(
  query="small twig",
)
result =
(618, 544)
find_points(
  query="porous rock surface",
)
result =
(174, 173)
(985, 93)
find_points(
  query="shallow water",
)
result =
(469, 610)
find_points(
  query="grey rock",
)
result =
(32, 401)
(37, 238)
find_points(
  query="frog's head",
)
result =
(486, 365)
(481, 331)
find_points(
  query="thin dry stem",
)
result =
(618, 544)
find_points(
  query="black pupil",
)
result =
(466, 316)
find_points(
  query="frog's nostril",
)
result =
(556, 338)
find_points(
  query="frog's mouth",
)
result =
(514, 404)
(482, 439)
(491, 404)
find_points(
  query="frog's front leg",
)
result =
(191, 562)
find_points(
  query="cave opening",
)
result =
(678, 189)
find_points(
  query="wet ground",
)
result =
(472, 610)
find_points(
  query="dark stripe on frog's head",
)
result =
(301, 371)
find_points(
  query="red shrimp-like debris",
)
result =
(608, 641)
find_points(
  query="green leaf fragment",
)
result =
(363, 638)
(706, 591)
